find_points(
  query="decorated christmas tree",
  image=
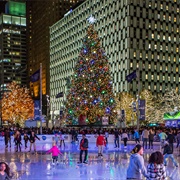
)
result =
(17, 104)
(91, 97)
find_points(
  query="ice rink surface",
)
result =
(38, 165)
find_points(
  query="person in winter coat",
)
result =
(83, 148)
(136, 136)
(168, 153)
(18, 141)
(55, 152)
(100, 143)
(151, 139)
(32, 140)
(156, 169)
(26, 138)
(136, 165)
(125, 138)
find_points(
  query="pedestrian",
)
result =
(162, 136)
(26, 138)
(155, 168)
(4, 171)
(18, 141)
(83, 148)
(125, 138)
(55, 152)
(145, 136)
(168, 153)
(171, 139)
(151, 139)
(106, 136)
(56, 138)
(136, 136)
(61, 136)
(116, 138)
(7, 137)
(178, 139)
(32, 140)
(100, 143)
(136, 166)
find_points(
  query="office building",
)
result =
(136, 34)
(13, 45)
(40, 16)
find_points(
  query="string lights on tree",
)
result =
(17, 104)
(91, 94)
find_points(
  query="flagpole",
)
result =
(40, 98)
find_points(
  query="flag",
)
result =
(59, 95)
(35, 77)
(141, 106)
(131, 76)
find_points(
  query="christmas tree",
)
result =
(91, 96)
(17, 104)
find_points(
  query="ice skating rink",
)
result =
(38, 165)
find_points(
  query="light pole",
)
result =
(47, 113)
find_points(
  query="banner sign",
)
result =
(141, 105)
(36, 110)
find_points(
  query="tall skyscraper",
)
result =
(137, 35)
(13, 59)
(40, 16)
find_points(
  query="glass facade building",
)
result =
(136, 34)
(13, 59)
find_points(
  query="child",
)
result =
(26, 138)
(156, 168)
(4, 171)
(55, 151)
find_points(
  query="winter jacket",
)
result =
(136, 135)
(145, 134)
(33, 138)
(167, 149)
(136, 167)
(100, 141)
(84, 144)
(156, 172)
(54, 150)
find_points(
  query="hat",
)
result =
(136, 149)
(166, 142)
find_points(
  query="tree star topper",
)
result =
(91, 19)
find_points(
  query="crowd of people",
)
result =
(157, 160)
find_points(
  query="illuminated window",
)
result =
(175, 19)
(164, 17)
(163, 78)
(140, 55)
(177, 9)
(177, 49)
(160, 68)
(166, 7)
(161, 6)
(169, 18)
(155, 46)
(134, 54)
(146, 76)
(149, 46)
(152, 56)
(155, 26)
(149, 66)
(176, 69)
(164, 37)
(168, 78)
(174, 59)
(177, 29)
(152, 36)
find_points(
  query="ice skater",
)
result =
(32, 140)
(100, 143)
(55, 152)
(83, 148)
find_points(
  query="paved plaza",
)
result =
(38, 166)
